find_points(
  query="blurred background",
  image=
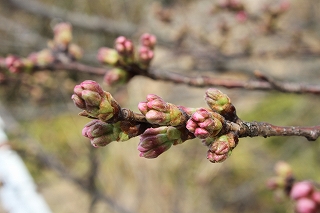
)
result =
(280, 38)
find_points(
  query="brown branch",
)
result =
(76, 19)
(263, 82)
(253, 129)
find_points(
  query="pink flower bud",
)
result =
(203, 124)
(155, 141)
(148, 40)
(124, 46)
(306, 205)
(301, 189)
(115, 76)
(145, 55)
(101, 133)
(160, 112)
(108, 56)
(96, 102)
(16, 64)
(75, 51)
(222, 147)
(283, 169)
(316, 197)
(62, 34)
(42, 58)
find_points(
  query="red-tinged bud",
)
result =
(96, 102)
(116, 76)
(108, 56)
(79, 102)
(145, 55)
(124, 47)
(148, 40)
(101, 133)
(301, 189)
(160, 112)
(204, 123)
(283, 169)
(306, 205)
(75, 51)
(62, 34)
(221, 103)
(222, 148)
(241, 16)
(316, 197)
(155, 141)
(16, 64)
(42, 58)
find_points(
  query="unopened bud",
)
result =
(115, 76)
(145, 55)
(125, 48)
(301, 189)
(108, 56)
(306, 205)
(101, 133)
(148, 40)
(283, 169)
(96, 102)
(62, 34)
(203, 123)
(155, 141)
(220, 103)
(157, 111)
(222, 148)
(75, 51)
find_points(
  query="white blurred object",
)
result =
(18, 192)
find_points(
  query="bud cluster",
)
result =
(95, 102)
(304, 193)
(155, 141)
(157, 111)
(122, 58)
(101, 133)
(60, 49)
(161, 124)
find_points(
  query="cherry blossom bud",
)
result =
(16, 64)
(116, 76)
(301, 189)
(145, 55)
(220, 103)
(155, 141)
(42, 58)
(157, 111)
(203, 123)
(316, 197)
(101, 133)
(75, 51)
(306, 205)
(62, 34)
(148, 40)
(283, 169)
(222, 148)
(96, 102)
(108, 56)
(124, 47)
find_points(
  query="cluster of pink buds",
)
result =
(161, 124)
(16, 64)
(155, 141)
(157, 111)
(304, 193)
(60, 49)
(102, 133)
(95, 102)
(307, 198)
(122, 57)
